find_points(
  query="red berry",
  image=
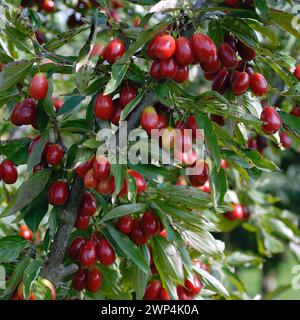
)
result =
(211, 65)
(48, 5)
(258, 84)
(82, 168)
(240, 83)
(38, 87)
(237, 213)
(162, 122)
(227, 55)
(218, 119)
(82, 222)
(192, 124)
(183, 293)
(54, 154)
(115, 117)
(78, 280)
(87, 254)
(155, 70)
(271, 119)
(139, 180)
(211, 75)
(57, 103)
(125, 224)
(88, 204)
(231, 41)
(204, 48)
(200, 174)
(233, 3)
(14, 117)
(105, 252)
(285, 140)
(206, 187)
(58, 193)
(114, 51)
(149, 119)
(194, 287)
(106, 186)
(168, 68)
(297, 72)
(10, 173)
(74, 248)
(252, 144)
(101, 167)
(25, 232)
(182, 74)
(295, 111)
(245, 52)
(27, 112)
(103, 106)
(97, 50)
(151, 46)
(164, 47)
(90, 181)
(221, 81)
(184, 51)
(127, 93)
(164, 295)
(136, 234)
(262, 142)
(153, 290)
(93, 280)
(150, 224)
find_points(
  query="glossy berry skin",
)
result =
(114, 51)
(125, 224)
(194, 287)
(204, 48)
(258, 84)
(127, 93)
(27, 112)
(184, 53)
(192, 124)
(162, 122)
(87, 254)
(82, 168)
(58, 193)
(297, 72)
(54, 154)
(238, 213)
(285, 140)
(105, 253)
(136, 234)
(9, 172)
(221, 81)
(295, 111)
(183, 293)
(88, 205)
(210, 76)
(240, 84)
(25, 232)
(271, 119)
(164, 47)
(233, 3)
(74, 248)
(14, 117)
(153, 290)
(103, 106)
(150, 224)
(200, 174)
(90, 181)
(106, 186)
(48, 5)
(227, 55)
(231, 41)
(78, 280)
(115, 117)
(252, 144)
(101, 167)
(149, 119)
(93, 279)
(211, 65)
(218, 119)
(245, 52)
(82, 222)
(38, 87)
(141, 184)
(151, 47)
(57, 103)
(168, 68)
(155, 70)
(182, 74)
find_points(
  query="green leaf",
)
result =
(243, 259)
(259, 161)
(262, 10)
(19, 39)
(110, 281)
(10, 248)
(163, 94)
(124, 210)
(30, 274)
(16, 150)
(117, 75)
(27, 192)
(290, 122)
(35, 156)
(70, 104)
(218, 186)
(131, 105)
(118, 171)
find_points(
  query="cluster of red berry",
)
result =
(238, 3)
(87, 209)
(42, 5)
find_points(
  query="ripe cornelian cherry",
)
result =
(258, 84)
(105, 253)
(57, 103)
(227, 56)
(93, 280)
(78, 280)
(182, 74)
(149, 119)
(164, 47)
(82, 221)
(193, 286)
(9, 173)
(153, 290)
(233, 3)
(14, 117)
(221, 81)
(155, 70)
(115, 117)
(200, 173)
(245, 52)
(103, 106)
(204, 48)
(211, 65)
(164, 295)
(211, 75)
(58, 193)
(88, 205)
(192, 124)
(114, 51)
(106, 186)
(183, 293)
(82, 168)
(87, 254)
(127, 93)
(140, 182)
(151, 46)
(74, 248)
(25, 232)
(297, 72)
(240, 83)
(101, 167)
(252, 143)
(262, 142)
(168, 68)
(218, 119)
(38, 87)
(162, 122)
(231, 41)
(27, 112)
(295, 111)
(271, 119)
(125, 224)
(54, 154)
(48, 5)
(184, 53)
(206, 187)
(137, 235)
(239, 212)
(90, 181)
(285, 140)
(150, 224)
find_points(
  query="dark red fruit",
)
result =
(231, 41)
(136, 234)
(54, 154)
(295, 111)
(26, 233)
(125, 224)
(183, 293)
(58, 193)
(38, 87)
(9, 172)
(164, 47)
(151, 47)
(127, 93)
(162, 122)
(193, 286)
(164, 295)
(221, 81)
(184, 51)
(115, 117)
(153, 290)
(168, 68)
(218, 119)
(233, 3)
(285, 140)
(103, 106)
(271, 119)
(74, 248)
(211, 75)
(150, 224)
(106, 186)
(82, 222)
(204, 48)
(101, 167)
(47, 5)
(78, 280)
(155, 70)
(27, 112)
(149, 119)
(57, 103)
(105, 252)
(211, 65)
(297, 72)
(182, 74)
(258, 84)
(238, 213)
(262, 142)
(114, 51)
(192, 124)
(90, 181)
(200, 174)
(141, 184)
(240, 83)
(82, 168)
(245, 52)
(87, 254)
(252, 143)
(88, 204)
(93, 279)
(227, 55)
(14, 117)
